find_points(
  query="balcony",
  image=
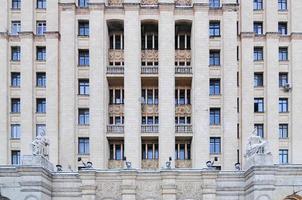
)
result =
(183, 61)
(183, 163)
(149, 164)
(183, 128)
(115, 70)
(115, 164)
(115, 3)
(115, 128)
(183, 70)
(150, 60)
(183, 3)
(116, 61)
(149, 70)
(149, 2)
(147, 128)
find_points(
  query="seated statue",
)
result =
(256, 145)
(40, 145)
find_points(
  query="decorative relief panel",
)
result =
(150, 55)
(149, 2)
(189, 190)
(116, 109)
(183, 55)
(149, 164)
(183, 163)
(148, 190)
(109, 190)
(183, 109)
(115, 164)
(149, 109)
(115, 2)
(116, 55)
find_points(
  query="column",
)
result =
(98, 88)
(52, 78)
(67, 107)
(4, 80)
(132, 85)
(229, 85)
(200, 87)
(166, 85)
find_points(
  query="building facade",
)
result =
(150, 81)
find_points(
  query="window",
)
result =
(149, 39)
(282, 4)
(215, 145)
(41, 4)
(83, 146)
(149, 151)
(149, 120)
(283, 105)
(116, 151)
(15, 105)
(214, 116)
(40, 129)
(283, 54)
(15, 79)
(83, 3)
(41, 54)
(116, 96)
(283, 79)
(41, 105)
(214, 29)
(283, 131)
(15, 27)
(16, 4)
(117, 41)
(15, 53)
(83, 86)
(181, 120)
(83, 28)
(258, 5)
(150, 96)
(15, 157)
(15, 130)
(116, 120)
(183, 41)
(258, 79)
(214, 58)
(283, 156)
(214, 3)
(282, 28)
(214, 86)
(259, 130)
(183, 151)
(258, 53)
(41, 79)
(258, 105)
(182, 96)
(258, 28)
(83, 57)
(41, 27)
(83, 116)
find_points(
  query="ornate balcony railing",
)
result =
(183, 70)
(115, 129)
(115, 2)
(115, 70)
(149, 164)
(149, 128)
(183, 163)
(183, 128)
(115, 164)
(149, 2)
(116, 55)
(149, 70)
(183, 3)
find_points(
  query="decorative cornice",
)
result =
(296, 36)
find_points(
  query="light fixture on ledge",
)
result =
(168, 163)
(59, 168)
(237, 166)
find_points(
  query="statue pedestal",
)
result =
(38, 161)
(259, 160)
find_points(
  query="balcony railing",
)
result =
(115, 70)
(115, 129)
(183, 128)
(183, 163)
(115, 2)
(149, 70)
(183, 3)
(149, 128)
(115, 164)
(183, 70)
(149, 2)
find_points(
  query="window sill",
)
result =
(83, 66)
(215, 154)
(284, 113)
(15, 139)
(15, 113)
(83, 95)
(41, 113)
(83, 36)
(40, 61)
(15, 87)
(215, 66)
(256, 112)
(83, 154)
(215, 36)
(83, 125)
(40, 87)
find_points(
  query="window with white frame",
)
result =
(214, 87)
(182, 150)
(15, 130)
(214, 116)
(116, 96)
(182, 96)
(259, 130)
(83, 59)
(150, 96)
(41, 79)
(40, 129)
(283, 105)
(258, 105)
(41, 105)
(215, 145)
(116, 150)
(214, 29)
(15, 27)
(83, 146)
(282, 5)
(283, 131)
(258, 53)
(15, 53)
(15, 79)
(283, 54)
(214, 59)
(83, 86)
(15, 105)
(182, 120)
(41, 4)
(283, 156)
(149, 120)
(16, 4)
(258, 4)
(83, 28)
(258, 79)
(214, 3)
(41, 53)
(116, 120)
(283, 79)
(41, 27)
(15, 157)
(258, 28)
(149, 151)
(282, 28)
(83, 116)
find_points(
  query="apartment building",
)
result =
(150, 81)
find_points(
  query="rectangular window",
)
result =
(282, 5)
(214, 116)
(83, 86)
(41, 105)
(283, 54)
(16, 4)
(83, 3)
(258, 79)
(83, 28)
(15, 79)
(15, 157)
(116, 151)
(282, 28)
(283, 156)
(258, 28)
(15, 106)
(40, 129)
(258, 105)
(215, 145)
(259, 130)
(283, 105)
(214, 86)
(15, 27)
(41, 4)
(15, 130)
(41, 79)
(214, 58)
(41, 27)
(83, 57)
(258, 53)
(15, 53)
(258, 4)
(182, 151)
(41, 53)
(283, 131)
(214, 29)
(150, 151)
(83, 116)
(83, 146)
(214, 3)
(116, 96)
(283, 79)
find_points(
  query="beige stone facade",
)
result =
(164, 78)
